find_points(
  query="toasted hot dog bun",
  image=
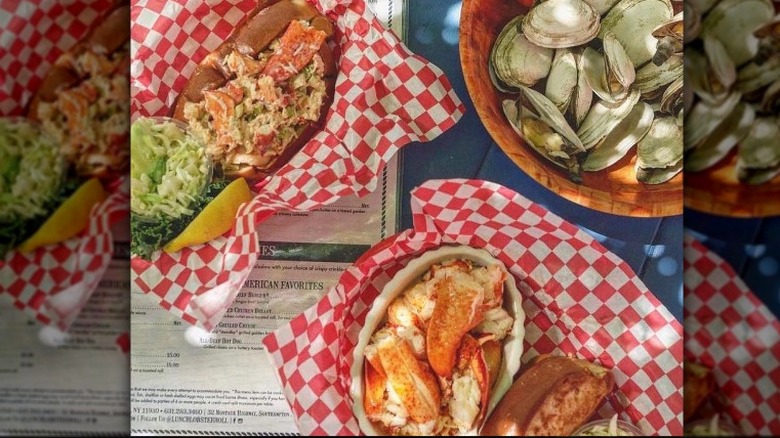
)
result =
(109, 35)
(553, 397)
(699, 384)
(253, 35)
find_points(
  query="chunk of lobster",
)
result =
(413, 382)
(221, 107)
(297, 47)
(491, 349)
(458, 309)
(375, 381)
(470, 385)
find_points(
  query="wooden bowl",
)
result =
(718, 191)
(612, 190)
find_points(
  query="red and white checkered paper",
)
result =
(578, 297)
(386, 97)
(729, 330)
(52, 283)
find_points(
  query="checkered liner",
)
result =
(579, 299)
(32, 36)
(385, 98)
(52, 283)
(729, 330)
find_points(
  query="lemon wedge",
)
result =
(68, 219)
(215, 219)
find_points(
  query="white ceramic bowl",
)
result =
(411, 273)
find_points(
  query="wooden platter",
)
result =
(613, 190)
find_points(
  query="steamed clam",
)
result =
(660, 152)
(736, 90)
(670, 39)
(561, 23)
(583, 92)
(515, 61)
(539, 122)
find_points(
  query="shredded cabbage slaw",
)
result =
(31, 171)
(169, 170)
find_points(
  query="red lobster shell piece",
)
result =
(458, 309)
(471, 361)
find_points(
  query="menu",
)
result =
(186, 380)
(75, 382)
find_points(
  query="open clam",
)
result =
(583, 93)
(620, 141)
(651, 78)
(515, 61)
(561, 23)
(660, 152)
(539, 122)
(758, 160)
(672, 99)
(770, 102)
(670, 39)
(720, 142)
(768, 37)
(691, 22)
(603, 117)
(633, 22)
(733, 23)
(753, 77)
(609, 75)
(704, 118)
(562, 81)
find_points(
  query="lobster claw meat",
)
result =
(470, 385)
(458, 309)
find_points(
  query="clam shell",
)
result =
(548, 112)
(651, 77)
(760, 149)
(720, 71)
(620, 141)
(672, 97)
(769, 40)
(703, 6)
(670, 39)
(535, 107)
(770, 103)
(691, 21)
(562, 81)
(601, 6)
(594, 70)
(658, 176)
(718, 144)
(662, 147)
(733, 23)
(515, 61)
(704, 118)
(619, 68)
(583, 93)
(758, 160)
(633, 22)
(561, 23)
(602, 119)
(753, 77)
